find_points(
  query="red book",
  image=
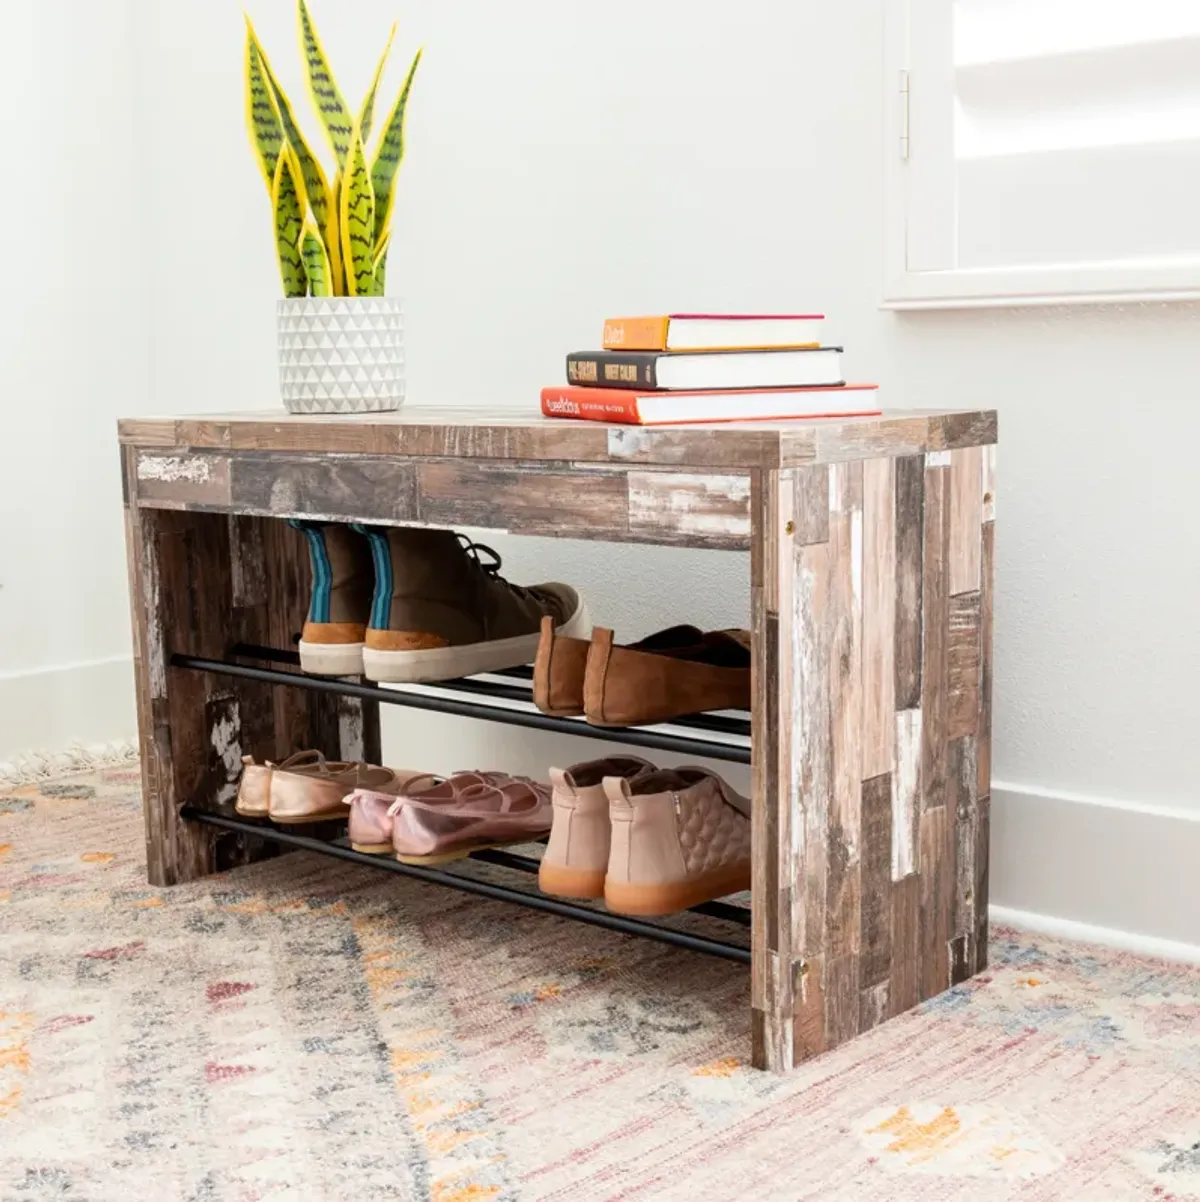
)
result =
(633, 408)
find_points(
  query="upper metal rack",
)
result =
(495, 697)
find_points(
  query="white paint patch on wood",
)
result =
(690, 504)
(283, 496)
(628, 442)
(989, 483)
(906, 768)
(350, 729)
(226, 741)
(875, 1003)
(856, 559)
(937, 458)
(170, 469)
(156, 659)
(835, 488)
(810, 734)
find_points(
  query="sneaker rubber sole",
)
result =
(331, 659)
(449, 663)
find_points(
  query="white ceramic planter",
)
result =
(341, 354)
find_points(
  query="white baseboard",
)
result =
(1096, 869)
(1084, 932)
(49, 709)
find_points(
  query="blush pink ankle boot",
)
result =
(576, 859)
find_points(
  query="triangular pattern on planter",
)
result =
(341, 354)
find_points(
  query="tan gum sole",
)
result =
(654, 901)
(251, 813)
(561, 881)
(373, 849)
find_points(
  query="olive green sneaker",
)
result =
(442, 610)
(343, 582)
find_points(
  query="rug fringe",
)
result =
(46, 765)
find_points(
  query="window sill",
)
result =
(1086, 284)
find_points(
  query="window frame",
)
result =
(1086, 282)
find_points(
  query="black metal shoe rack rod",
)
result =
(634, 736)
(629, 735)
(466, 884)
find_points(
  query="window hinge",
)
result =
(904, 114)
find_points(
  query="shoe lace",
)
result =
(491, 569)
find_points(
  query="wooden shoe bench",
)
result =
(871, 553)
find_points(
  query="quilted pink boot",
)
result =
(679, 837)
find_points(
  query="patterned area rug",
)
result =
(311, 1030)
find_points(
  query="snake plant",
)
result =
(331, 238)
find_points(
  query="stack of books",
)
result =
(708, 367)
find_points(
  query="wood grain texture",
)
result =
(505, 432)
(199, 583)
(879, 613)
(338, 488)
(582, 500)
(935, 619)
(988, 483)
(984, 787)
(468, 493)
(810, 1023)
(770, 979)
(811, 730)
(909, 519)
(966, 517)
(965, 818)
(875, 939)
(896, 433)
(811, 509)
(841, 998)
(904, 981)
(711, 510)
(866, 662)
(190, 725)
(871, 672)
(183, 480)
(983, 832)
(845, 623)
(906, 792)
(963, 665)
(937, 899)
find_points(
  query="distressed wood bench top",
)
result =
(497, 432)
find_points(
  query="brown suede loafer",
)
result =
(561, 664)
(632, 686)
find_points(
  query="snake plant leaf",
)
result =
(326, 96)
(262, 118)
(367, 116)
(316, 261)
(379, 282)
(320, 197)
(289, 221)
(389, 154)
(358, 220)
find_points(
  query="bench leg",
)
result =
(199, 583)
(872, 589)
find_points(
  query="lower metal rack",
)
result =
(533, 901)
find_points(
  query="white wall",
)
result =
(569, 161)
(72, 339)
